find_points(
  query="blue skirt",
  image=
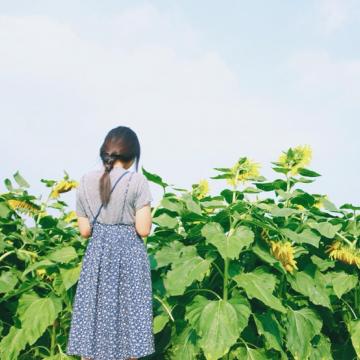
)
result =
(112, 315)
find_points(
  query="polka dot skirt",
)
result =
(112, 315)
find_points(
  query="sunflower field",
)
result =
(262, 270)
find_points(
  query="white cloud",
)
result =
(65, 84)
(319, 73)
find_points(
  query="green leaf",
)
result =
(229, 246)
(307, 236)
(191, 204)
(307, 172)
(168, 254)
(303, 325)
(184, 345)
(325, 228)
(63, 255)
(154, 178)
(243, 309)
(312, 285)
(172, 205)
(165, 220)
(185, 270)
(70, 276)
(4, 210)
(278, 211)
(8, 281)
(322, 264)
(20, 180)
(12, 344)
(39, 264)
(321, 350)
(216, 323)
(354, 330)
(246, 353)
(38, 316)
(159, 322)
(268, 326)
(342, 282)
(260, 285)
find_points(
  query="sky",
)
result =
(202, 83)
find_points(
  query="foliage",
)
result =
(264, 270)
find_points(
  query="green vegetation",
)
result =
(264, 270)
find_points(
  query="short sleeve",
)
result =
(143, 194)
(80, 208)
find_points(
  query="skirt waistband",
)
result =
(116, 224)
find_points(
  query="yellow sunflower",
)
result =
(339, 251)
(202, 189)
(23, 206)
(296, 158)
(61, 187)
(248, 170)
(284, 252)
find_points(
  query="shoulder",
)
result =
(91, 174)
(139, 178)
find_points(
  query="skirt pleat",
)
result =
(112, 315)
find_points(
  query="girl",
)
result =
(112, 315)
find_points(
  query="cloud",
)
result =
(319, 73)
(64, 84)
(334, 14)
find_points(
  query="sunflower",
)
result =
(339, 251)
(296, 158)
(61, 187)
(284, 252)
(247, 170)
(201, 189)
(23, 206)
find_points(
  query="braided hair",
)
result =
(120, 143)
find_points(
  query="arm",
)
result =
(143, 221)
(83, 221)
(143, 198)
(84, 226)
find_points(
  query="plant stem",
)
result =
(53, 338)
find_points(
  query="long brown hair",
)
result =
(121, 143)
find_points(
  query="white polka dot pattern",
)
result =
(112, 312)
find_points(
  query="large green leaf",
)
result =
(246, 353)
(38, 316)
(70, 276)
(63, 255)
(229, 246)
(216, 323)
(325, 228)
(307, 236)
(166, 221)
(12, 344)
(321, 350)
(354, 330)
(311, 284)
(268, 326)
(342, 282)
(303, 325)
(168, 254)
(260, 285)
(185, 270)
(243, 309)
(184, 345)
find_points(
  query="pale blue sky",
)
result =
(201, 82)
